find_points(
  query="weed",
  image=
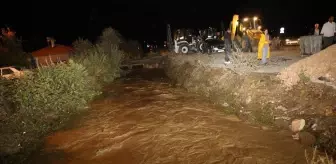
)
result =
(303, 77)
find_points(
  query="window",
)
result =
(6, 71)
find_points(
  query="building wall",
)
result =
(47, 60)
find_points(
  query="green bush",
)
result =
(58, 88)
(100, 64)
(108, 38)
(81, 45)
(103, 59)
(44, 100)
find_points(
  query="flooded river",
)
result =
(144, 120)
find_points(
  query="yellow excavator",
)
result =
(249, 25)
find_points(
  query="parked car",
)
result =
(292, 41)
(11, 72)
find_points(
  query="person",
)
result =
(328, 32)
(317, 29)
(227, 45)
(263, 47)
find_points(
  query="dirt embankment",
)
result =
(259, 98)
(319, 67)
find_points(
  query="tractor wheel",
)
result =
(184, 49)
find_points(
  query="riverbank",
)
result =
(144, 119)
(258, 97)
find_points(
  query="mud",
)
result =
(146, 120)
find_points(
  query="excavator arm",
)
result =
(252, 29)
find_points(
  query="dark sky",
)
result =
(147, 21)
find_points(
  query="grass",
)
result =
(303, 77)
(318, 159)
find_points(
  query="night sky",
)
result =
(147, 21)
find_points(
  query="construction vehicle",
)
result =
(185, 41)
(211, 41)
(251, 26)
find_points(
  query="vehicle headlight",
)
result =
(182, 37)
(287, 40)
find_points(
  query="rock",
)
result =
(307, 139)
(233, 118)
(330, 111)
(248, 100)
(281, 108)
(225, 104)
(297, 125)
(296, 136)
(265, 128)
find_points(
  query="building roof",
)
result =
(58, 49)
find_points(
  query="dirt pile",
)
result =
(319, 67)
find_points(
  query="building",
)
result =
(54, 53)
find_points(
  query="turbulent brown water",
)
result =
(144, 120)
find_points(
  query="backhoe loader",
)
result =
(252, 28)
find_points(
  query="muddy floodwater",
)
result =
(144, 120)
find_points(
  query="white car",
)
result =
(10, 72)
(292, 41)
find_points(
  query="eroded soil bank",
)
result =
(146, 120)
(262, 98)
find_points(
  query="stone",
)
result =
(281, 108)
(225, 104)
(248, 100)
(330, 111)
(296, 136)
(297, 125)
(265, 128)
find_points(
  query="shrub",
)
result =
(81, 45)
(103, 59)
(44, 100)
(108, 38)
(102, 65)
(57, 89)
